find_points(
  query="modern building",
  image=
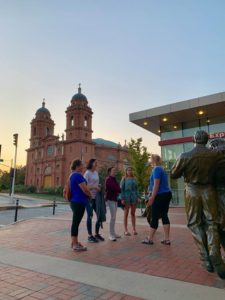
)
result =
(175, 125)
(49, 157)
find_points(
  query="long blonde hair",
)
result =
(156, 159)
(132, 174)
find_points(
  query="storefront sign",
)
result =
(217, 135)
(189, 139)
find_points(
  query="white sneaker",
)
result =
(112, 238)
(117, 236)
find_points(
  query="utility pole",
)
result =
(15, 143)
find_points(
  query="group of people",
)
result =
(203, 169)
(85, 189)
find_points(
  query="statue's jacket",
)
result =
(197, 166)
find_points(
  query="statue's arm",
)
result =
(178, 168)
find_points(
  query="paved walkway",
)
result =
(108, 270)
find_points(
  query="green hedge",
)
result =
(23, 189)
(53, 191)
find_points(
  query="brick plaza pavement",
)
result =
(51, 237)
(18, 283)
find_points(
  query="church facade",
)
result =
(49, 157)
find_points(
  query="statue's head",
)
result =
(216, 143)
(200, 137)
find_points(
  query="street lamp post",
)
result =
(15, 143)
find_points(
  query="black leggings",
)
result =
(160, 209)
(78, 213)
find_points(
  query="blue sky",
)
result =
(128, 55)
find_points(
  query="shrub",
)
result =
(23, 189)
(31, 189)
(59, 191)
(20, 189)
(49, 191)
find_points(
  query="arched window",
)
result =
(34, 131)
(85, 121)
(71, 121)
(47, 131)
(48, 171)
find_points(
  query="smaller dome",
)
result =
(100, 141)
(43, 109)
(79, 96)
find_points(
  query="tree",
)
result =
(20, 175)
(139, 161)
(5, 181)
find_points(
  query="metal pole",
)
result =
(14, 173)
(16, 211)
(54, 205)
(10, 188)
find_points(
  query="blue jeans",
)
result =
(89, 208)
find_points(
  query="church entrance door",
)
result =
(47, 181)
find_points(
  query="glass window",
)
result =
(204, 124)
(47, 131)
(50, 150)
(72, 121)
(177, 187)
(217, 125)
(170, 153)
(189, 128)
(169, 156)
(85, 122)
(171, 131)
(188, 147)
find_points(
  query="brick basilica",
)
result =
(49, 156)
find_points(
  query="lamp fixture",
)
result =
(159, 131)
(201, 112)
(175, 126)
(145, 123)
(164, 119)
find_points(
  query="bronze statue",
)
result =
(198, 167)
(218, 145)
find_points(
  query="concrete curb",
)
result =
(130, 283)
(11, 207)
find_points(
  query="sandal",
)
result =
(166, 242)
(127, 233)
(79, 248)
(146, 241)
(135, 233)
